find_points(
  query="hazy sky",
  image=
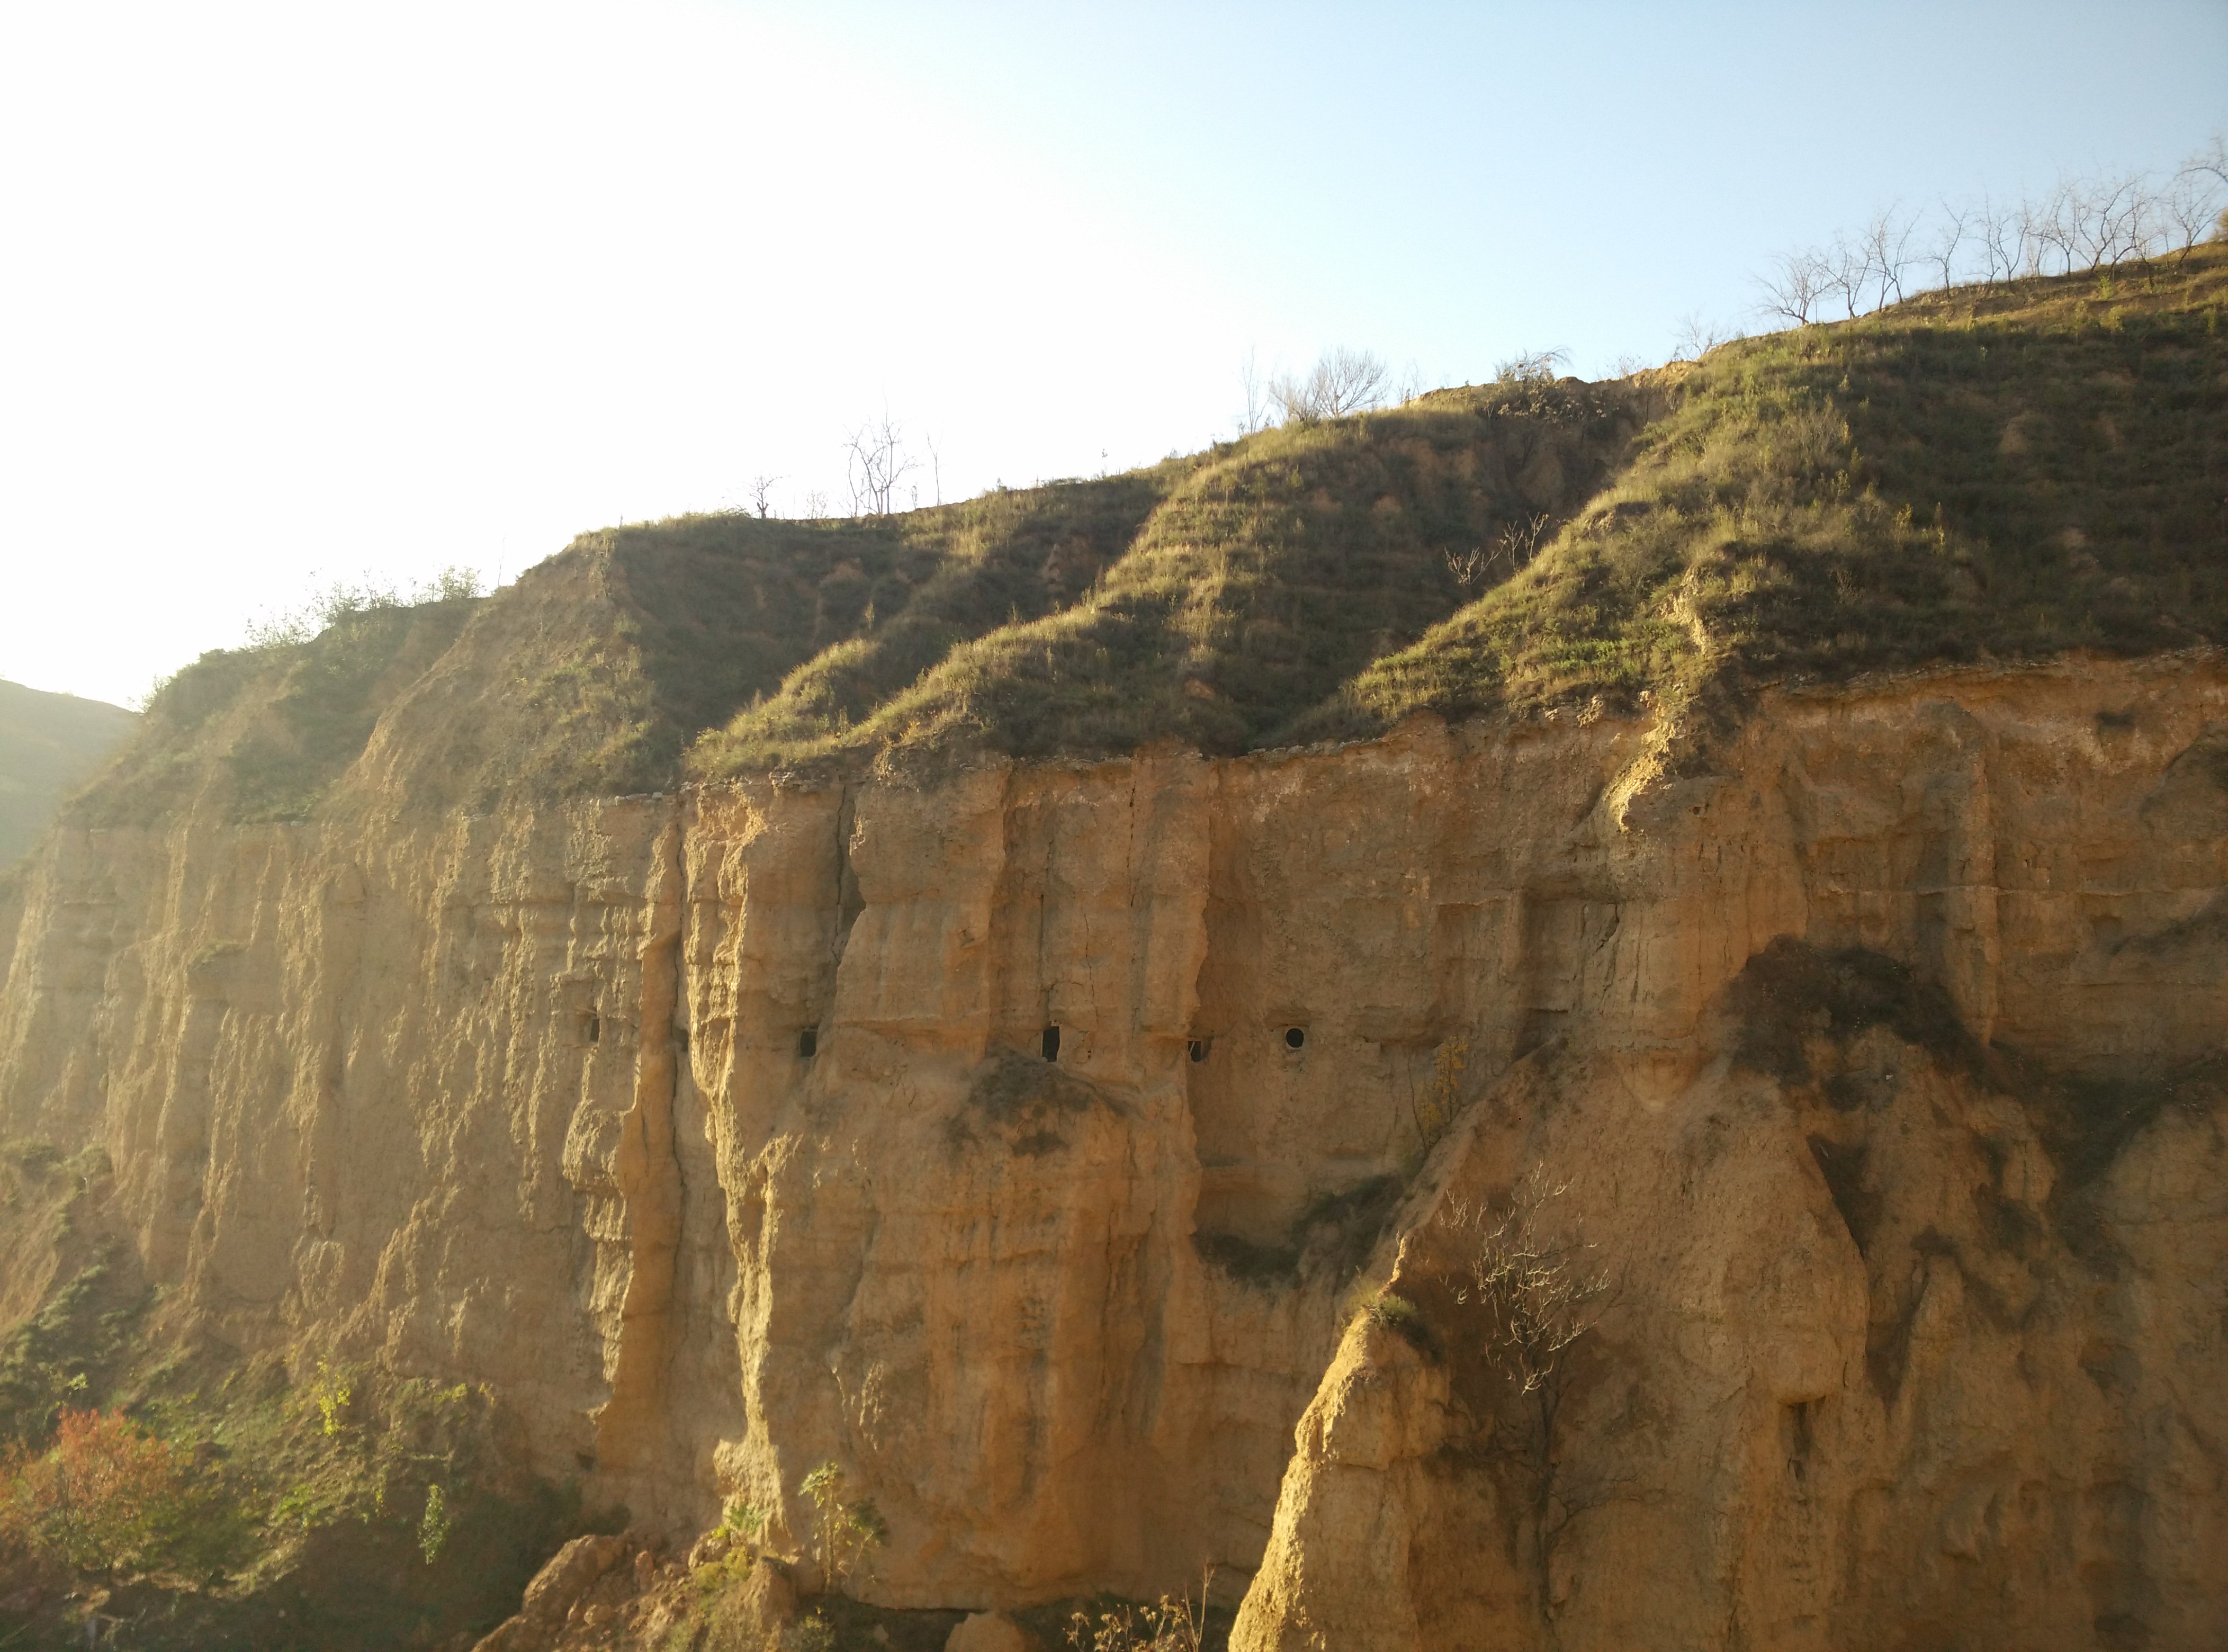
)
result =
(292, 291)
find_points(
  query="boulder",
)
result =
(990, 1632)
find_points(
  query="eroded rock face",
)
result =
(718, 1132)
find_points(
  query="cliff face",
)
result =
(716, 1131)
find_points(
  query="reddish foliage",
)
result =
(107, 1491)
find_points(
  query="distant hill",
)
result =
(49, 742)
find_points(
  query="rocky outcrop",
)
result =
(1026, 1144)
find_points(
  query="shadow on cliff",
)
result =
(1804, 1016)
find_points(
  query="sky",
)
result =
(292, 294)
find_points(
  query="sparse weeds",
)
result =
(433, 1525)
(1962, 477)
(1172, 1623)
(331, 1393)
(1265, 572)
(1397, 1314)
(342, 601)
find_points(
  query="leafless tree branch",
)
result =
(1343, 381)
(874, 463)
(2091, 224)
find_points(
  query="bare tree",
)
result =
(1883, 254)
(2047, 232)
(815, 506)
(1841, 274)
(1473, 568)
(2000, 241)
(2091, 224)
(2212, 161)
(1343, 381)
(2192, 204)
(1536, 1294)
(1795, 287)
(1516, 544)
(761, 490)
(2106, 221)
(2188, 210)
(1696, 337)
(1469, 567)
(1955, 222)
(1257, 406)
(874, 463)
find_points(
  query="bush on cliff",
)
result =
(108, 1493)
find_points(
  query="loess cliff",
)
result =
(1086, 1143)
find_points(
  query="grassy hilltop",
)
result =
(1997, 474)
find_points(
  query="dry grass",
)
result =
(1270, 571)
(1958, 479)
(1968, 476)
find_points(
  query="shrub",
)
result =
(433, 1525)
(1401, 1317)
(812, 1634)
(1526, 1294)
(1435, 1108)
(747, 1520)
(333, 1394)
(1530, 1285)
(843, 1529)
(1173, 1623)
(105, 1493)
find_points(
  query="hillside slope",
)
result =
(49, 742)
(1031, 1008)
(1972, 476)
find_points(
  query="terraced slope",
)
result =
(1981, 474)
(1972, 474)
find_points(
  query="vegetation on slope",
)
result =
(1982, 474)
(155, 1481)
(274, 726)
(1999, 473)
(591, 675)
(1966, 477)
(1272, 570)
(856, 612)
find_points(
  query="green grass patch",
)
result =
(1960, 479)
(1972, 476)
(1270, 571)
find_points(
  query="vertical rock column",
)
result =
(632, 1423)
